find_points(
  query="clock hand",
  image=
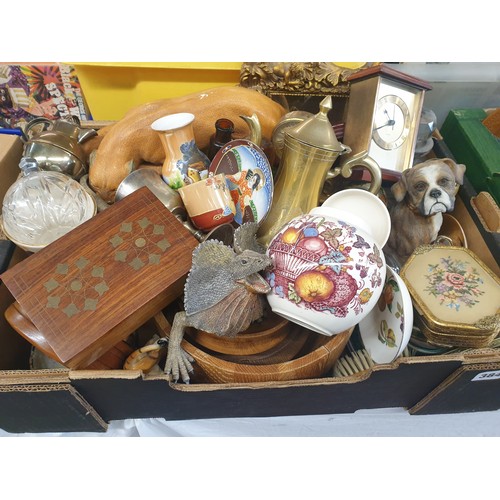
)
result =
(389, 123)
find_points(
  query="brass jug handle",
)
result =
(255, 127)
(360, 160)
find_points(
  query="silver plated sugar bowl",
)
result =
(57, 147)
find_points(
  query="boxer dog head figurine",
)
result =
(423, 193)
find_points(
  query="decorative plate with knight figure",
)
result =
(249, 178)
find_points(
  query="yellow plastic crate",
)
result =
(112, 88)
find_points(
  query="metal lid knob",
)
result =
(317, 131)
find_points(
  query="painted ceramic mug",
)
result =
(208, 202)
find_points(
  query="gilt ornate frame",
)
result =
(301, 85)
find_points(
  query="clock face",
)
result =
(394, 125)
(391, 124)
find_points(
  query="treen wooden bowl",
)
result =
(258, 338)
(315, 358)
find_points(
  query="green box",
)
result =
(476, 147)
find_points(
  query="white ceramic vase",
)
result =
(184, 163)
(328, 272)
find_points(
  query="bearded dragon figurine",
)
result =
(222, 294)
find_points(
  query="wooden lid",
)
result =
(388, 72)
(94, 286)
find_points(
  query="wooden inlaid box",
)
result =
(97, 284)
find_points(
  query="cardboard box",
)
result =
(59, 400)
(11, 148)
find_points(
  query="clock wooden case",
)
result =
(382, 117)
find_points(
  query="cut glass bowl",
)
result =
(41, 206)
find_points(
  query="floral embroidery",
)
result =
(454, 283)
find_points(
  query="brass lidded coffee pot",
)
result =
(309, 152)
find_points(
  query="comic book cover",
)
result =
(51, 91)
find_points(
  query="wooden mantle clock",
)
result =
(382, 118)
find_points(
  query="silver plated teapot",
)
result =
(57, 146)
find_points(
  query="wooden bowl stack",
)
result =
(273, 350)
